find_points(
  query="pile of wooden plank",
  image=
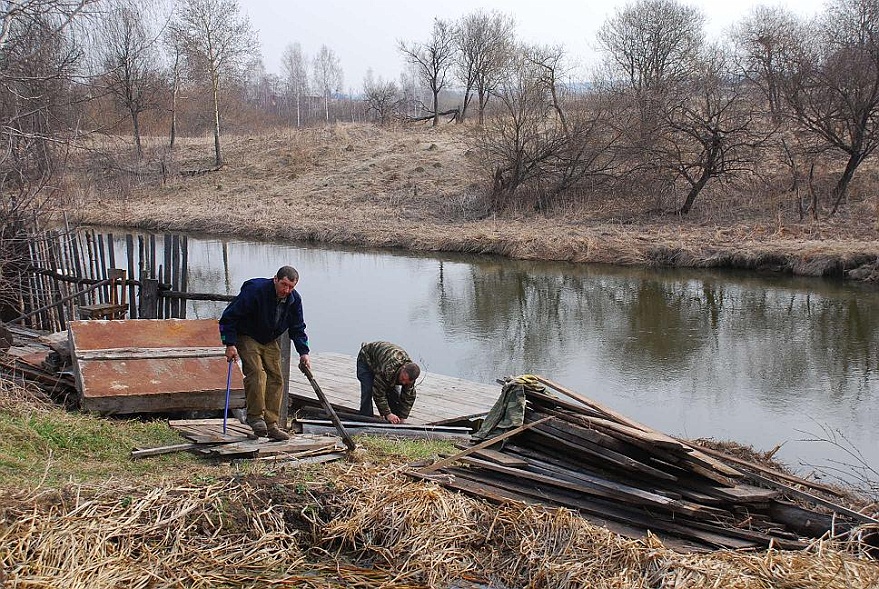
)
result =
(576, 453)
(214, 438)
(34, 357)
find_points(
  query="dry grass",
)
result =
(358, 526)
(421, 189)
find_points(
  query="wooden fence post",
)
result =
(148, 307)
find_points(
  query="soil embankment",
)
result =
(420, 189)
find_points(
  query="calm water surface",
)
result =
(763, 360)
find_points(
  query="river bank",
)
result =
(420, 190)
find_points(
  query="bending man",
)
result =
(263, 310)
(381, 366)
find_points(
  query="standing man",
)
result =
(263, 310)
(381, 366)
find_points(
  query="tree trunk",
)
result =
(694, 192)
(174, 90)
(842, 186)
(483, 101)
(468, 96)
(436, 114)
(218, 160)
(136, 125)
(327, 106)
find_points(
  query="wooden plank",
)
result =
(498, 457)
(598, 488)
(620, 418)
(610, 457)
(151, 353)
(599, 511)
(266, 448)
(812, 498)
(770, 471)
(390, 426)
(487, 443)
(366, 429)
(146, 452)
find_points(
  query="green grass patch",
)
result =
(402, 449)
(53, 446)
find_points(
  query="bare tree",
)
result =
(130, 61)
(710, 131)
(485, 44)
(433, 60)
(762, 40)
(327, 75)
(831, 83)
(174, 46)
(549, 67)
(412, 90)
(38, 60)
(534, 148)
(383, 99)
(652, 43)
(217, 42)
(295, 76)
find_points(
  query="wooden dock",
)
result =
(439, 398)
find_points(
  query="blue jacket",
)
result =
(253, 311)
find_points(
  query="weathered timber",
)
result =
(805, 522)
(771, 472)
(367, 429)
(486, 444)
(788, 490)
(158, 451)
(601, 511)
(599, 487)
(149, 353)
(496, 456)
(610, 457)
(391, 426)
(620, 418)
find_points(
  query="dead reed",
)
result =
(425, 533)
(358, 525)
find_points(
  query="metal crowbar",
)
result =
(333, 417)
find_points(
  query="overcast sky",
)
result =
(364, 33)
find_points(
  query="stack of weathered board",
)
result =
(619, 473)
(226, 440)
(36, 357)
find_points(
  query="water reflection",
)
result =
(763, 360)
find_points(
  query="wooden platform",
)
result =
(439, 398)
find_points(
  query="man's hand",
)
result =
(391, 418)
(304, 362)
(231, 353)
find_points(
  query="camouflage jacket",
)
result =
(385, 360)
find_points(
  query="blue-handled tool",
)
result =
(228, 387)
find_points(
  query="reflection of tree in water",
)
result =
(662, 322)
(727, 334)
(520, 315)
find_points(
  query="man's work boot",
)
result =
(276, 434)
(258, 425)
